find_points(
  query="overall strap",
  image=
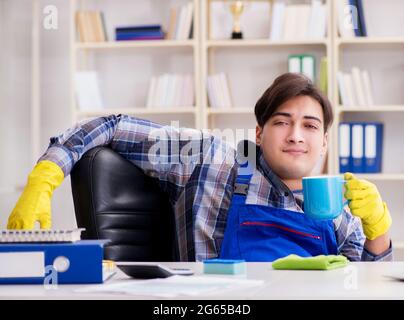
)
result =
(242, 181)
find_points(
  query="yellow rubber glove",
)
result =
(34, 203)
(366, 203)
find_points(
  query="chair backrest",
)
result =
(115, 200)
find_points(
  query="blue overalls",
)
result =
(263, 233)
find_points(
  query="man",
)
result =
(198, 171)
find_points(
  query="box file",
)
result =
(373, 147)
(360, 147)
(357, 148)
(344, 147)
(64, 263)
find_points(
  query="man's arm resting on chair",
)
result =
(133, 138)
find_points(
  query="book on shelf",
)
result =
(346, 21)
(355, 88)
(88, 93)
(180, 25)
(317, 24)
(139, 32)
(219, 93)
(171, 90)
(303, 21)
(304, 64)
(323, 75)
(361, 18)
(360, 147)
(351, 18)
(90, 26)
(277, 18)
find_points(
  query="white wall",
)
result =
(15, 99)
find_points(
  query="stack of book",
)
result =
(181, 23)
(143, 32)
(171, 90)
(355, 88)
(219, 91)
(302, 63)
(351, 19)
(298, 21)
(91, 26)
(360, 147)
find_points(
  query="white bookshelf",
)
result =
(379, 108)
(252, 64)
(369, 40)
(263, 43)
(357, 49)
(221, 55)
(135, 44)
(381, 54)
(34, 105)
(138, 111)
(382, 176)
(84, 57)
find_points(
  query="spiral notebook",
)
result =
(57, 235)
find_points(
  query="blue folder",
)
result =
(357, 147)
(63, 263)
(373, 147)
(361, 18)
(345, 147)
(356, 18)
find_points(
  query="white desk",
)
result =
(362, 280)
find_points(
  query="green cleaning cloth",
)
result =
(295, 262)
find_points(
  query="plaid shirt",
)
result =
(197, 170)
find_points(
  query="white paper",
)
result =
(175, 286)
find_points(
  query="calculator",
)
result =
(151, 270)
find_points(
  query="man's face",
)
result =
(293, 139)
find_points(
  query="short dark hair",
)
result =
(286, 87)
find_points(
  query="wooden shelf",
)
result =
(381, 176)
(370, 40)
(218, 111)
(398, 244)
(263, 43)
(386, 108)
(137, 111)
(135, 44)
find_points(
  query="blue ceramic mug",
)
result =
(323, 197)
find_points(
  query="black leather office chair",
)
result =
(115, 200)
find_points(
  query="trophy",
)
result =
(236, 9)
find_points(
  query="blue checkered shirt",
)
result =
(197, 170)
